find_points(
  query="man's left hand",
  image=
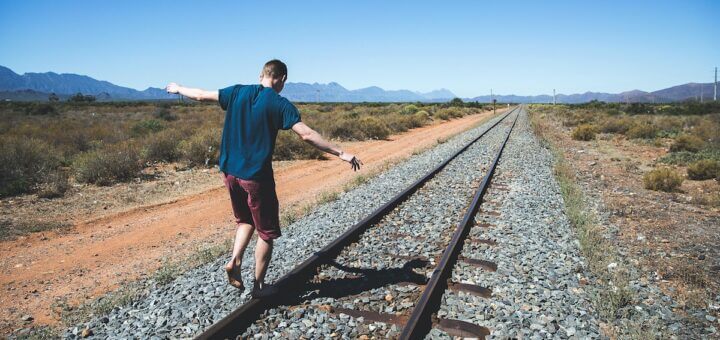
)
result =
(355, 162)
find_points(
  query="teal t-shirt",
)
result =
(253, 116)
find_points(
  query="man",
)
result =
(254, 114)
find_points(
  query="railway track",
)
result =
(386, 275)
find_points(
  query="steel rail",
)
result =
(241, 318)
(420, 323)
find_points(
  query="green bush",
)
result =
(686, 157)
(703, 169)
(288, 146)
(584, 132)
(162, 146)
(662, 179)
(144, 127)
(108, 164)
(688, 143)
(203, 147)
(642, 130)
(410, 109)
(24, 163)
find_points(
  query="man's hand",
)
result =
(196, 94)
(172, 88)
(355, 163)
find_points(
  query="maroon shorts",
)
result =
(255, 203)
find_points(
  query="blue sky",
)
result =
(521, 47)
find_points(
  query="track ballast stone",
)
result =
(536, 292)
(200, 297)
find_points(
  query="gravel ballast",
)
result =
(536, 293)
(380, 272)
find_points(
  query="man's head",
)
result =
(274, 74)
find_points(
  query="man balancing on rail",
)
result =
(254, 114)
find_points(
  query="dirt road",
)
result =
(99, 255)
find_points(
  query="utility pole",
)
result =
(493, 101)
(702, 87)
(554, 97)
(715, 89)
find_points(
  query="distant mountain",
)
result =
(671, 94)
(334, 92)
(37, 86)
(68, 83)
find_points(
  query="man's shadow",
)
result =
(367, 279)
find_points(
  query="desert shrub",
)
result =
(400, 123)
(662, 179)
(616, 125)
(708, 129)
(642, 130)
(146, 126)
(574, 118)
(612, 112)
(686, 157)
(688, 143)
(107, 164)
(163, 112)
(669, 126)
(373, 128)
(288, 146)
(448, 113)
(584, 132)
(41, 109)
(457, 102)
(203, 147)
(53, 185)
(703, 169)
(423, 116)
(162, 146)
(342, 128)
(410, 109)
(24, 162)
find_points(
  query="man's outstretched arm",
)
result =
(313, 138)
(196, 94)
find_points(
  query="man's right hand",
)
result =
(355, 162)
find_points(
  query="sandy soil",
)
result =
(127, 234)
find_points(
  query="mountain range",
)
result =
(38, 86)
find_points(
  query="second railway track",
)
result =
(388, 272)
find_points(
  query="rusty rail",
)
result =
(420, 321)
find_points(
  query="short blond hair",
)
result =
(275, 69)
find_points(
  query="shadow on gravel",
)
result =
(365, 280)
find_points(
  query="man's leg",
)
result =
(238, 199)
(242, 238)
(263, 253)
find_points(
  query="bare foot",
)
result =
(233, 272)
